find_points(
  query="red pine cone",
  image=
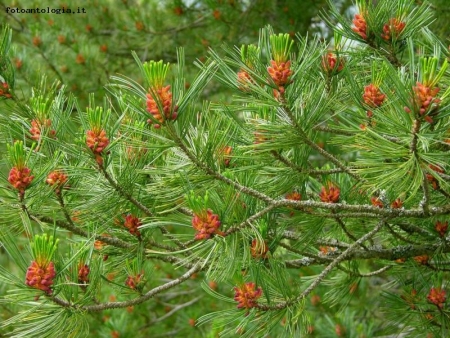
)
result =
(423, 259)
(397, 204)
(280, 72)
(247, 295)
(56, 178)
(37, 126)
(293, 196)
(258, 249)
(4, 90)
(83, 272)
(331, 64)
(133, 281)
(392, 29)
(437, 296)
(424, 98)
(441, 228)
(376, 202)
(20, 179)
(372, 96)
(165, 99)
(40, 276)
(206, 224)
(330, 194)
(325, 250)
(132, 223)
(360, 26)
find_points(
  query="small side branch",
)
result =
(325, 272)
(135, 301)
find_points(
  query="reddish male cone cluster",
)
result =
(161, 108)
(20, 178)
(332, 64)
(425, 98)
(392, 29)
(97, 141)
(83, 273)
(132, 223)
(37, 127)
(330, 193)
(56, 178)
(4, 90)
(133, 281)
(40, 276)
(437, 296)
(373, 97)
(247, 295)
(206, 224)
(280, 73)
(434, 182)
(244, 78)
(441, 228)
(360, 26)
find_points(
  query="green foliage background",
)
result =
(83, 52)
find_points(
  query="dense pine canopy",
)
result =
(224, 168)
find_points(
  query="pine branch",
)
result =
(114, 241)
(335, 243)
(343, 256)
(175, 309)
(138, 204)
(397, 235)
(364, 275)
(372, 210)
(123, 193)
(411, 228)
(300, 170)
(391, 254)
(148, 295)
(321, 151)
(218, 176)
(306, 254)
(344, 228)
(425, 203)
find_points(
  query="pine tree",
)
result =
(314, 201)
